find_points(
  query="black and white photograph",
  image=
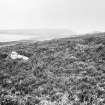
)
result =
(52, 52)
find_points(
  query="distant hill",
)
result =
(37, 31)
(36, 34)
(47, 40)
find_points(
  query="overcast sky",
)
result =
(77, 15)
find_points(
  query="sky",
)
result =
(80, 16)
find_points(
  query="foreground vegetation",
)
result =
(59, 72)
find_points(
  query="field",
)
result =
(66, 71)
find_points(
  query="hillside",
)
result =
(66, 71)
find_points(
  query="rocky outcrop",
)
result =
(14, 55)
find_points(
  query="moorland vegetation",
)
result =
(67, 71)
